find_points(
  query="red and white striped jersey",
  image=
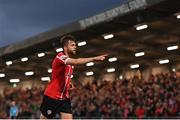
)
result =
(59, 86)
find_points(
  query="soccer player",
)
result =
(56, 96)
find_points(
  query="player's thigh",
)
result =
(42, 117)
(66, 115)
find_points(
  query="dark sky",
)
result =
(20, 19)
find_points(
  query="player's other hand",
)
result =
(100, 57)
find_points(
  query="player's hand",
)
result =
(101, 57)
(72, 86)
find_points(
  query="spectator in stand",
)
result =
(13, 112)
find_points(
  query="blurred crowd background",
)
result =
(158, 97)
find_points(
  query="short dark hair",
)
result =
(65, 38)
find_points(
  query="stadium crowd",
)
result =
(158, 97)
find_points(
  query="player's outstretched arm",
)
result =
(78, 61)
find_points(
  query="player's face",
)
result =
(71, 47)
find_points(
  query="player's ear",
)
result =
(65, 47)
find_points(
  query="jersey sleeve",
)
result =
(62, 58)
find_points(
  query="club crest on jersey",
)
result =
(63, 57)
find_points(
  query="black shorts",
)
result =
(50, 107)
